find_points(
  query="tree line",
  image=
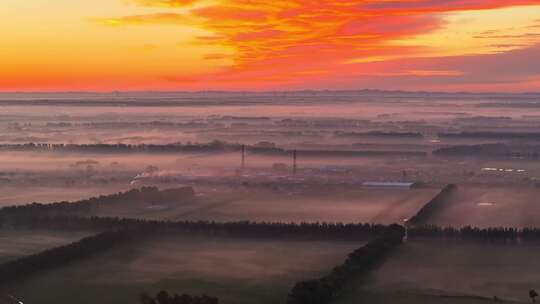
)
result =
(492, 135)
(213, 146)
(329, 231)
(433, 206)
(497, 150)
(507, 234)
(164, 297)
(92, 205)
(379, 134)
(276, 230)
(358, 263)
(58, 256)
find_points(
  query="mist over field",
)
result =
(269, 152)
(317, 175)
(238, 271)
(462, 270)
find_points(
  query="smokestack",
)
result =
(243, 156)
(294, 162)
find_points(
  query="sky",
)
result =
(135, 45)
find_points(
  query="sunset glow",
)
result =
(103, 45)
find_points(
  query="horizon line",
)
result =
(108, 92)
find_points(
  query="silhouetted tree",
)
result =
(146, 299)
(533, 294)
(164, 297)
(360, 261)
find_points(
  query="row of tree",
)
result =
(246, 229)
(492, 135)
(379, 134)
(330, 231)
(144, 195)
(213, 146)
(497, 150)
(58, 256)
(433, 206)
(163, 297)
(358, 263)
(475, 233)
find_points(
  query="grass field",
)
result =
(482, 206)
(235, 270)
(455, 272)
(18, 243)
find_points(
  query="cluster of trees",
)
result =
(473, 150)
(493, 135)
(60, 255)
(379, 134)
(489, 150)
(433, 206)
(353, 153)
(163, 297)
(88, 206)
(322, 123)
(358, 263)
(155, 123)
(474, 233)
(330, 231)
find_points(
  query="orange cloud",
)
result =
(247, 44)
(231, 13)
(160, 18)
(165, 3)
(215, 56)
(424, 6)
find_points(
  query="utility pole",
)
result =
(294, 162)
(243, 156)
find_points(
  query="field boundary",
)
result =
(59, 256)
(433, 206)
(358, 263)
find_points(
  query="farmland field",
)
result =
(483, 206)
(384, 206)
(235, 270)
(455, 272)
(18, 243)
(16, 195)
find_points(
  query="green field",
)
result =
(235, 270)
(454, 272)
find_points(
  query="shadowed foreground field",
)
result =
(455, 272)
(235, 270)
(18, 243)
